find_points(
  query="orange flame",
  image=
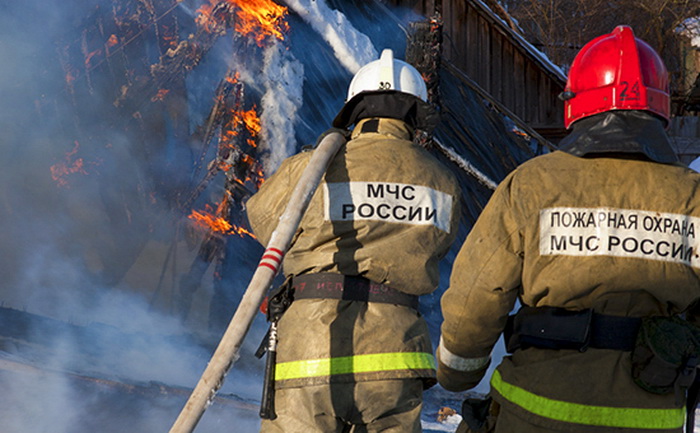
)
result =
(234, 79)
(256, 18)
(112, 41)
(251, 121)
(204, 18)
(225, 166)
(240, 231)
(261, 18)
(89, 56)
(207, 219)
(70, 78)
(254, 171)
(260, 176)
(160, 95)
(168, 36)
(243, 118)
(60, 170)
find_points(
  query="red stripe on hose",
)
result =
(272, 257)
(267, 265)
(275, 250)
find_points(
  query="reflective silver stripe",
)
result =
(458, 363)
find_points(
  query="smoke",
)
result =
(352, 47)
(283, 74)
(283, 80)
(93, 250)
(98, 332)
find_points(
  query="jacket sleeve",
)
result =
(484, 285)
(265, 207)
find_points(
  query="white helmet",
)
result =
(388, 73)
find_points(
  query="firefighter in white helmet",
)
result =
(354, 353)
(599, 243)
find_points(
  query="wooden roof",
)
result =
(496, 57)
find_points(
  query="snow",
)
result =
(449, 424)
(542, 57)
(691, 28)
(468, 167)
(695, 164)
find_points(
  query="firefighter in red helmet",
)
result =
(354, 353)
(597, 245)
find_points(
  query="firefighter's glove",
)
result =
(475, 412)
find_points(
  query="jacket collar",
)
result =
(385, 126)
(620, 131)
(388, 104)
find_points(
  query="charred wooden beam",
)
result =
(229, 95)
(188, 53)
(424, 52)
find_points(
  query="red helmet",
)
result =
(616, 72)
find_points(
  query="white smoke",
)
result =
(117, 365)
(84, 354)
(283, 75)
(283, 80)
(351, 47)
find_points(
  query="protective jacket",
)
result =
(386, 210)
(608, 225)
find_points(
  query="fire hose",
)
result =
(226, 352)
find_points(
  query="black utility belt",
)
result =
(557, 328)
(327, 285)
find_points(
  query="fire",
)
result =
(259, 19)
(234, 79)
(241, 232)
(255, 173)
(70, 78)
(160, 95)
(209, 219)
(89, 56)
(260, 176)
(168, 35)
(251, 121)
(243, 118)
(205, 18)
(112, 41)
(69, 166)
(225, 166)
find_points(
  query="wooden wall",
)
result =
(503, 64)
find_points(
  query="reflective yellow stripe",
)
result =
(589, 415)
(355, 364)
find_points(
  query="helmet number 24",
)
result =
(629, 93)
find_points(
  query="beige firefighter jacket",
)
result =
(616, 235)
(386, 210)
